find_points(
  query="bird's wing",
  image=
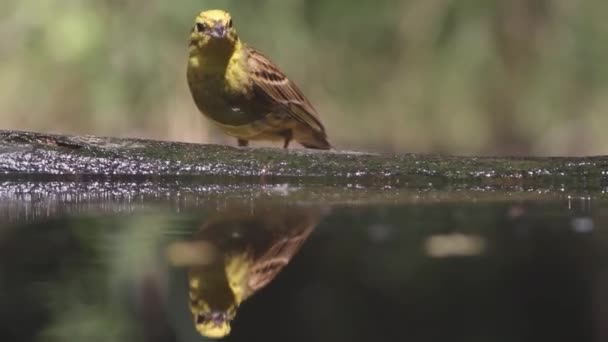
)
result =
(273, 260)
(273, 86)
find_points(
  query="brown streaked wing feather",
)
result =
(269, 264)
(282, 93)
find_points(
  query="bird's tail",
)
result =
(313, 139)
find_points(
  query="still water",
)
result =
(275, 262)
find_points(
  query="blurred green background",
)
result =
(453, 76)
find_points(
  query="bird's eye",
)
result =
(200, 27)
(230, 23)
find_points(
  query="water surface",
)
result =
(121, 261)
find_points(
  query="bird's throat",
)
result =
(212, 57)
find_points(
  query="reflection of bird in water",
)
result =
(235, 254)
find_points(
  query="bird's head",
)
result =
(212, 301)
(213, 27)
(214, 324)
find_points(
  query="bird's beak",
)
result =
(218, 31)
(218, 318)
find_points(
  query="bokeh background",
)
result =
(452, 76)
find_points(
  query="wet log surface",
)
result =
(39, 156)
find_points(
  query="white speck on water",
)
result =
(281, 189)
(454, 245)
(582, 224)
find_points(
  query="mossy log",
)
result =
(62, 157)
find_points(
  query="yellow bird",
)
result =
(243, 92)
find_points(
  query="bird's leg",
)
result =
(288, 134)
(243, 142)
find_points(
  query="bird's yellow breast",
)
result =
(221, 87)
